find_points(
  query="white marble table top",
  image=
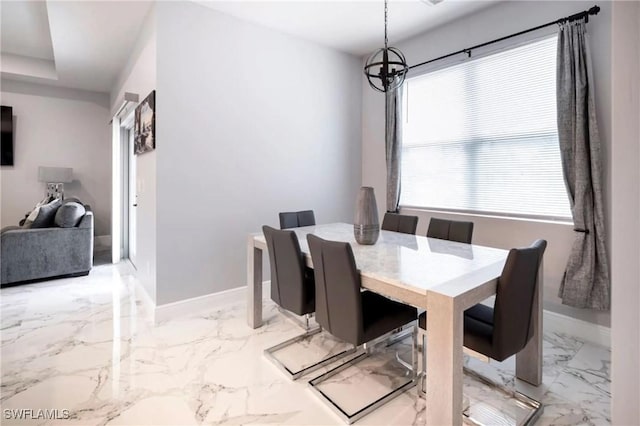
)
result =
(416, 263)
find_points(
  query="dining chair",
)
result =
(451, 230)
(297, 219)
(293, 291)
(355, 316)
(400, 223)
(503, 330)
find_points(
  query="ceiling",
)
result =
(76, 44)
(356, 26)
(25, 29)
(84, 44)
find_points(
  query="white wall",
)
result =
(489, 24)
(57, 127)
(250, 122)
(139, 76)
(626, 217)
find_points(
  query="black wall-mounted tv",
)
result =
(6, 140)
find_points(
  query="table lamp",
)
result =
(55, 178)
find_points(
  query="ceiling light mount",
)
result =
(387, 67)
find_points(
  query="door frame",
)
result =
(126, 128)
(122, 118)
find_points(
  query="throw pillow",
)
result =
(44, 215)
(34, 213)
(69, 215)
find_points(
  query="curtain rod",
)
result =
(575, 17)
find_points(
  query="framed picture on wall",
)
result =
(145, 125)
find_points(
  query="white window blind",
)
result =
(481, 136)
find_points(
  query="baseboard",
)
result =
(148, 304)
(221, 299)
(583, 330)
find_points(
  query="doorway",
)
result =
(129, 201)
(133, 197)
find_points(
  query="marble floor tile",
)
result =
(85, 345)
(371, 377)
(593, 359)
(562, 412)
(307, 350)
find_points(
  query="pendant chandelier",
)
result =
(386, 68)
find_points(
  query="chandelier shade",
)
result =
(386, 68)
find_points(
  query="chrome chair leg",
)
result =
(535, 406)
(399, 335)
(365, 352)
(422, 362)
(413, 366)
(414, 351)
(303, 322)
(294, 375)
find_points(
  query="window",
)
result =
(481, 136)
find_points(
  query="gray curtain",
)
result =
(393, 145)
(586, 281)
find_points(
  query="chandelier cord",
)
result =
(386, 9)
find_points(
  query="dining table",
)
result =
(442, 277)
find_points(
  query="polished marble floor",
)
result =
(84, 345)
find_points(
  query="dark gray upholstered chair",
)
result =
(297, 219)
(350, 314)
(293, 290)
(400, 223)
(505, 329)
(292, 283)
(451, 230)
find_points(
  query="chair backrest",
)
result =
(515, 294)
(451, 230)
(338, 299)
(297, 219)
(400, 223)
(287, 263)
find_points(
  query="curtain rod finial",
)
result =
(594, 10)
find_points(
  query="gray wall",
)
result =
(59, 127)
(488, 24)
(250, 122)
(139, 76)
(625, 157)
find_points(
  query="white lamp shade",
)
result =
(55, 174)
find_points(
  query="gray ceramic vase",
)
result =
(366, 226)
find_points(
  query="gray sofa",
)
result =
(39, 253)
